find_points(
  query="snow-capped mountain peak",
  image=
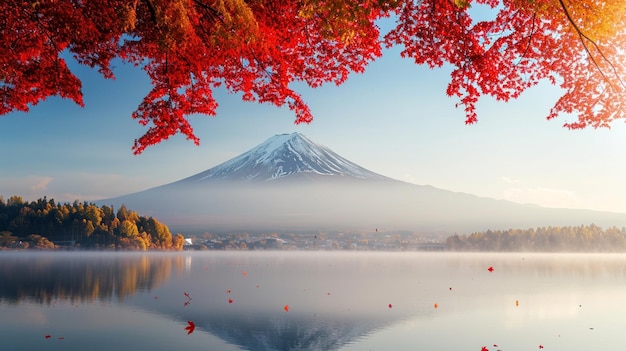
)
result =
(284, 155)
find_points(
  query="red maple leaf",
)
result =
(490, 269)
(191, 326)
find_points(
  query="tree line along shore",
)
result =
(45, 224)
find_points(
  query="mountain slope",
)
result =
(289, 183)
(282, 156)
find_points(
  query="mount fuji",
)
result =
(285, 156)
(290, 183)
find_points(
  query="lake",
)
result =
(311, 301)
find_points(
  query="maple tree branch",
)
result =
(152, 10)
(530, 38)
(212, 11)
(263, 66)
(44, 29)
(47, 32)
(582, 37)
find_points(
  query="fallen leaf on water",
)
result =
(286, 308)
(48, 336)
(188, 298)
(191, 326)
(490, 269)
(230, 300)
(390, 306)
(484, 348)
(436, 306)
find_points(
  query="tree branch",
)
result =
(584, 37)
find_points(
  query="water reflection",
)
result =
(337, 300)
(333, 300)
(79, 277)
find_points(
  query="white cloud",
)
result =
(41, 183)
(509, 180)
(30, 187)
(78, 186)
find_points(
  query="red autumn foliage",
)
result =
(259, 48)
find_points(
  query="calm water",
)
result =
(337, 301)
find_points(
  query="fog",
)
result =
(341, 205)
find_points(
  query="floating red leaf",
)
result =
(191, 326)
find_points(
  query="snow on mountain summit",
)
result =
(283, 155)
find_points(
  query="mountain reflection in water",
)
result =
(337, 300)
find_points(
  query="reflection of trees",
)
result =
(81, 277)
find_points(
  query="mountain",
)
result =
(282, 156)
(290, 183)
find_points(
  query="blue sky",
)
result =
(395, 120)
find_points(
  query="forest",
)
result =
(584, 238)
(44, 224)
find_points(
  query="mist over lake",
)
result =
(290, 183)
(335, 301)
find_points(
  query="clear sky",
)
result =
(395, 120)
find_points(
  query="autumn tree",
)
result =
(259, 48)
(584, 238)
(81, 224)
(7, 238)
